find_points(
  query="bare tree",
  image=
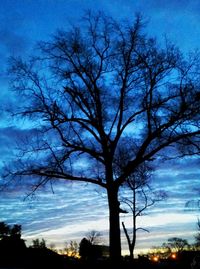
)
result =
(97, 90)
(176, 244)
(37, 243)
(139, 198)
(94, 237)
(197, 236)
(71, 249)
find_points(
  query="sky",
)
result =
(72, 210)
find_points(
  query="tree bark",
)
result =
(114, 237)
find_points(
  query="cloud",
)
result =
(72, 207)
(163, 226)
(9, 140)
(14, 41)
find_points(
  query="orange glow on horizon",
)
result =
(173, 256)
(155, 258)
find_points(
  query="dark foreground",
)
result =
(78, 264)
(47, 259)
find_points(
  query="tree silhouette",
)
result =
(85, 249)
(12, 247)
(90, 250)
(140, 197)
(71, 249)
(176, 244)
(96, 91)
(197, 236)
(37, 243)
(94, 237)
(13, 232)
(4, 230)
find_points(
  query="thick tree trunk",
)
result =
(115, 240)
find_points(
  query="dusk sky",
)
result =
(75, 209)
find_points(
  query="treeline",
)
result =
(14, 252)
(90, 252)
(176, 245)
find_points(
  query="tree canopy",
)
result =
(8, 231)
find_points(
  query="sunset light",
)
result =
(155, 258)
(173, 256)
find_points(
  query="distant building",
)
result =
(103, 250)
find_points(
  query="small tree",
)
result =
(197, 236)
(37, 243)
(7, 231)
(15, 231)
(10, 240)
(4, 230)
(71, 249)
(94, 237)
(140, 198)
(85, 247)
(176, 244)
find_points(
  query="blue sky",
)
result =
(74, 209)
